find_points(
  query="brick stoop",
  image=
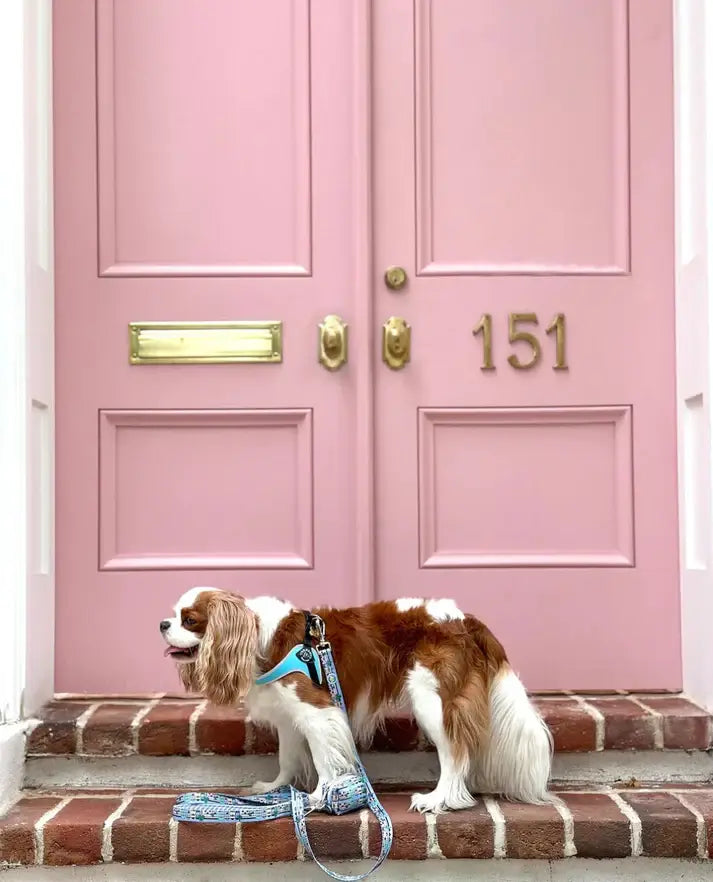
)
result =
(127, 753)
(164, 726)
(81, 829)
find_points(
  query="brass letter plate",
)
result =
(204, 342)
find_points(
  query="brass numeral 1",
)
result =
(485, 326)
(558, 326)
(515, 334)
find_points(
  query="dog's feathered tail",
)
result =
(516, 759)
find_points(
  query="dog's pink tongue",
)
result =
(170, 651)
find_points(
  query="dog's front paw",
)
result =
(428, 802)
(260, 787)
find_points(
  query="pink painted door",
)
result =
(216, 182)
(523, 172)
(211, 165)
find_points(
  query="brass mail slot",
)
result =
(204, 342)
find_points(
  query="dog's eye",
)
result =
(188, 622)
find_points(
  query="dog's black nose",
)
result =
(165, 625)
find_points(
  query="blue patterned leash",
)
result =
(346, 794)
(324, 651)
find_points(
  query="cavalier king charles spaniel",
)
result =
(423, 657)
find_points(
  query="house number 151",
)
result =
(516, 321)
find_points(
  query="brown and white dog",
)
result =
(425, 657)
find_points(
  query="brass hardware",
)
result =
(395, 277)
(333, 342)
(514, 334)
(204, 342)
(558, 325)
(396, 342)
(485, 326)
(515, 319)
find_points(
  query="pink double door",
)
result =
(496, 424)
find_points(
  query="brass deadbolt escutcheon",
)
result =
(396, 342)
(333, 342)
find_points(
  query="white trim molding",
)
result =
(693, 79)
(26, 360)
(693, 133)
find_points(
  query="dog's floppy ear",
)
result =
(225, 667)
(189, 678)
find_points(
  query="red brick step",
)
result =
(184, 727)
(81, 828)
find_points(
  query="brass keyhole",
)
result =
(333, 342)
(396, 343)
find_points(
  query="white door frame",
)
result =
(26, 374)
(27, 361)
(693, 47)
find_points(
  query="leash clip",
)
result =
(317, 628)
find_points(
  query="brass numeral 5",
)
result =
(515, 335)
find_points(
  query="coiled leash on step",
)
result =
(346, 794)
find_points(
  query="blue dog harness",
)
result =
(302, 659)
(347, 794)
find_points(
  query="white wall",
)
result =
(694, 287)
(39, 356)
(12, 359)
(26, 359)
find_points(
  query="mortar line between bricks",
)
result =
(569, 849)
(172, 840)
(107, 851)
(433, 848)
(80, 725)
(249, 742)
(138, 719)
(192, 725)
(608, 789)
(634, 822)
(657, 717)
(364, 832)
(499, 831)
(238, 843)
(106, 697)
(701, 832)
(300, 855)
(39, 830)
(597, 716)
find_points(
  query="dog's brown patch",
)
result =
(375, 647)
(195, 618)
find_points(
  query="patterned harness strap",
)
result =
(347, 794)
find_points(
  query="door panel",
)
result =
(204, 123)
(522, 132)
(523, 172)
(214, 185)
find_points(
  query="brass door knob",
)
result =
(395, 278)
(333, 342)
(396, 342)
